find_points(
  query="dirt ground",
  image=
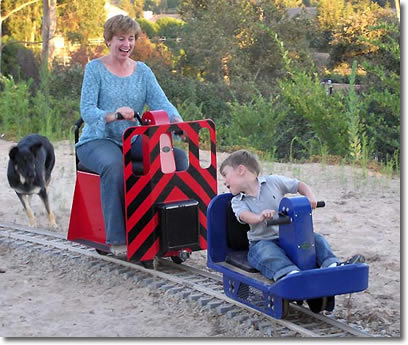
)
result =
(47, 297)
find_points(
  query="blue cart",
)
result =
(228, 249)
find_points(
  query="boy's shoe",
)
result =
(355, 259)
(119, 250)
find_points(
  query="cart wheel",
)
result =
(147, 264)
(177, 260)
(316, 305)
(285, 308)
(101, 252)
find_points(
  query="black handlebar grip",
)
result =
(119, 116)
(321, 204)
(277, 220)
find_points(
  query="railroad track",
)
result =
(195, 284)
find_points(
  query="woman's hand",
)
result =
(181, 133)
(127, 113)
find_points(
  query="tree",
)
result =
(25, 25)
(80, 20)
(353, 35)
(330, 12)
(227, 41)
(49, 27)
(3, 18)
(134, 8)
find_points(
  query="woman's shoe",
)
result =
(119, 250)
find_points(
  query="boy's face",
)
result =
(233, 178)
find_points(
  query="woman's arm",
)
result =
(156, 99)
(89, 97)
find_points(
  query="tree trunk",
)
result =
(49, 27)
(397, 8)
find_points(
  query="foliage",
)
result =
(25, 25)
(66, 81)
(79, 20)
(224, 40)
(288, 3)
(352, 37)
(231, 65)
(211, 98)
(85, 53)
(382, 96)
(305, 94)
(146, 50)
(18, 61)
(22, 113)
(355, 128)
(330, 12)
(169, 27)
(148, 27)
(134, 8)
(14, 106)
(263, 124)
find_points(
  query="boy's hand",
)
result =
(313, 203)
(266, 214)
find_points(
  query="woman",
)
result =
(117, 84)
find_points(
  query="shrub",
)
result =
(14, 107)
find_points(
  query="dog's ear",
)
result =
(35, 148)
(13, 152)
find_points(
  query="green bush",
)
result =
(148, 27)
(15, 119)
(325, 115)
(169, 27)
(268, 126)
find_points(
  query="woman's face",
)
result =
(121, 46)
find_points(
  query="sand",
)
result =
(41, 297)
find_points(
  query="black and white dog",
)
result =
(29, 172)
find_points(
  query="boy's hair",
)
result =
(245, 158)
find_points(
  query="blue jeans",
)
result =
(105, 158)
(271, 260)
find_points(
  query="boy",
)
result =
(256, 199)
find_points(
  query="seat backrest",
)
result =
(137, 166)
(236, 232)
(77, 127)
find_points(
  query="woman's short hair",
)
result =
(242, 157)
(120, 24)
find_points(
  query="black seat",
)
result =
(238, 241)
(137, 166)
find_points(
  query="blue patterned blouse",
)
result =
(104, 92)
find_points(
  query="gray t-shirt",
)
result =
(271, 190)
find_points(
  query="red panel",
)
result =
(143, 193)
(86, 222)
